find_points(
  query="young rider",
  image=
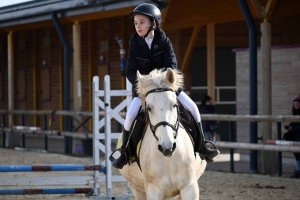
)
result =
(151, 49)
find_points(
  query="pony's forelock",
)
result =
(157, 79)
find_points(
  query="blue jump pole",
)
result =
(46, 191)
(53, 167)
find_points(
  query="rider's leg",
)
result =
(130, 116)
(209, 154)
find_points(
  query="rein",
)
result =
(162, 123)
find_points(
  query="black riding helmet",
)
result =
(150, 11)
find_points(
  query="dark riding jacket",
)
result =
(144, 60)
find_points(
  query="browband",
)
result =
(159, 90)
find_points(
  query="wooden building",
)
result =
(204, 35)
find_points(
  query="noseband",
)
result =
(163, 123)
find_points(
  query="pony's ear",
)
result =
(170, 75)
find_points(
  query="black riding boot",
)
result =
(123, 159)
(207, 153)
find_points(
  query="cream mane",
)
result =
(158, 79)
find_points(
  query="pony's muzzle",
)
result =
(167, 152)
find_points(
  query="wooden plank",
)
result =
(263, 8)
(269, 8)
(11, 78)
(21, 84)
(77, 97)
(164, 14)
(258, 7)
(36, 80)
(190, 49)
(211, 74)
(91, 66)
(45, 84)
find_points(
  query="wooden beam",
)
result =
(269, 8)
(11, 88)
(211, 61)
(258, 6)
(36, 80)
(164, 15)
(91, 65)
(77, 97)
(190, 49)
(263, 8)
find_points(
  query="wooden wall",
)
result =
(98, 38)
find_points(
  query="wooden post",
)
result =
(211, 61)
(36, 80)
(77, 67)
(11, 91)
(268, 159)
(91, 47)
(190, 49)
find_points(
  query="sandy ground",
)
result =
(214, 185)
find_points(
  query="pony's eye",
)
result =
(175, 105)
(149, 109)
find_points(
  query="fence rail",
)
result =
(53, 112)
(49, 132)
(261, 147)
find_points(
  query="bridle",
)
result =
(162, 123)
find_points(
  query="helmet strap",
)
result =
(150, 29)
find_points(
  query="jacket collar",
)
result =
(159, 35)
(144, 46)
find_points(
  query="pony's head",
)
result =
(158, 93)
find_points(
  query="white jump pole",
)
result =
(96, 153)
(107, 105)
(109, 113)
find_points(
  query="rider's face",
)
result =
(141, 24)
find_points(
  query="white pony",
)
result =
(169, 166)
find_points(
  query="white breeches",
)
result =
(136, 103)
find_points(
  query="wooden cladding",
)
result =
(21, 85)
(45, 84)
(102, 70)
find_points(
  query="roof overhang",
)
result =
(191, 13)
(36, 14)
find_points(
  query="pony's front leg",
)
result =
(190, 192)
(138, 195)
(154, 193)
(176, 198)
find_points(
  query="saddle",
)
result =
(140, 124)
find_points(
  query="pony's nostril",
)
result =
(167, 152)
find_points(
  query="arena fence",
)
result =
(116, 113)
(96, 179)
